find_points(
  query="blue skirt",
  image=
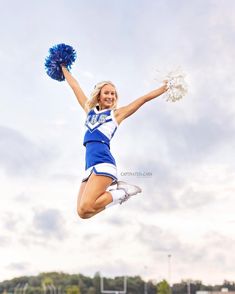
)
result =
(100, 161)
(98, 152)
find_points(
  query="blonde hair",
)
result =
(95, 94)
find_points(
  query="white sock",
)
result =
(116, 195)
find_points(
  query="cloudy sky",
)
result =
(187, 205)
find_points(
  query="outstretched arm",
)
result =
(73, 83)
(123, 112)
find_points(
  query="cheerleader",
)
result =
(103, 118)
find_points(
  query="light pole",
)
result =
(188, 287)
(169, 271)
(145, 284)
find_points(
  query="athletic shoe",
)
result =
(130, 190)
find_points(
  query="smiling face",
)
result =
(108, 97)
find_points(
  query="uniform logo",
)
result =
(96, 118)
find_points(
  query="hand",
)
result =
(63, 68)
(165, 85)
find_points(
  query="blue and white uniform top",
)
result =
(100, 126)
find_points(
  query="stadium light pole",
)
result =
(169, 271)
(188, 287)
(145, 284)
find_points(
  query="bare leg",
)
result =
(80, 193)
(93, 196)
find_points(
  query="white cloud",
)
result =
(49, 223)
(19, 155)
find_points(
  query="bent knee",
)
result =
(85, 211)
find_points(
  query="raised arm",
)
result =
(73, 83)
(125, 111)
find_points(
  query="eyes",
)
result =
(108, 92)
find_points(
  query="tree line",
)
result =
(62, 283)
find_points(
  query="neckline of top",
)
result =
(99, 111)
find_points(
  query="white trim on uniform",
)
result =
(104, 169)
(99, 111)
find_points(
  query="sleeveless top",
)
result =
(100, 126)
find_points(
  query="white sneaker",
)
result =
(130, 190)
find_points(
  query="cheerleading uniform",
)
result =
(100, 127)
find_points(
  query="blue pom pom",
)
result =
(59, 54)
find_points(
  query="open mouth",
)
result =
(108, 100)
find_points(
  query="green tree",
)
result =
(47, 281)
(34, 290)
(73, 290)
(163, 287)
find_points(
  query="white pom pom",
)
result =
(177, 87)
